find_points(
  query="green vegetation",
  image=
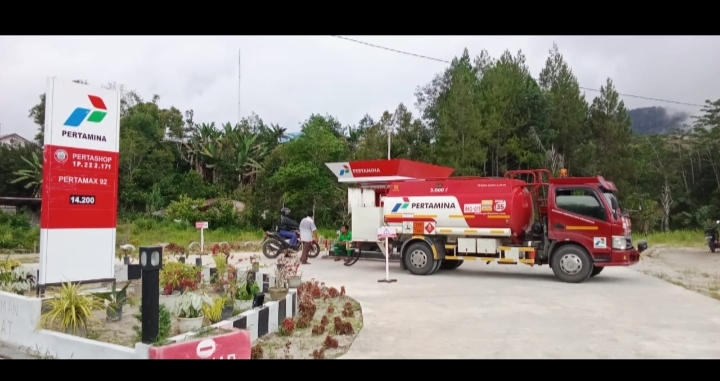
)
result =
(16, 232)
(481, 116)
(677, 238)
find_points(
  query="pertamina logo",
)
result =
(82, 114)
(401, 205)
(345, 170)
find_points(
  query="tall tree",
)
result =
(568, 109)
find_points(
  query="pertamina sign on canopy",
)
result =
(80, 181)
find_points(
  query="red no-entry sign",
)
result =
(230, 346)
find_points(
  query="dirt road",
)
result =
(696, 269)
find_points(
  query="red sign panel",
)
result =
(80, 188)
(230, 346)
(201, 225)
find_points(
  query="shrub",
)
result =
(303, 323)
(256, 352)
(343, 327)
(318, 330)
(319, 354)
(330, 343)
(287, 327)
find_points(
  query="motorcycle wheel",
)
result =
(712, 245)
(271, 248)
(314, 250)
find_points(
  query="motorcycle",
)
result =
(711, 236)
(273, 244)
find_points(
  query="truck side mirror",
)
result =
(614, 205)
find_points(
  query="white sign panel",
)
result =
(80, 182)
(386, 232)
(82, 116)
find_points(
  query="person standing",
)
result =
(308, 233)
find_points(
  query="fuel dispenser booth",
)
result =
(369, 182)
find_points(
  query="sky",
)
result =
(285, 79)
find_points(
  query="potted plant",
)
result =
(127, 250)
(217, 310)
(245, 295)
(255, 261)
(280, 290)
(189, 310)
(114, 302)
(70, 311)
(171, 276)
(221, 267)
(290, 266)
(15, 278)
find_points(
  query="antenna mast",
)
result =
(239, 81)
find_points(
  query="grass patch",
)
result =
(184, 235)
(676, 238)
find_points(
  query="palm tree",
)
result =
(32, 176)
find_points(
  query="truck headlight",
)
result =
(619, 243)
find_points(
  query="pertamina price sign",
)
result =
(80, 183)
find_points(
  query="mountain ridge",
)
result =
(656, 120)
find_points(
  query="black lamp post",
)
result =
(150, 263)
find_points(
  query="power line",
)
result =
(446, 61)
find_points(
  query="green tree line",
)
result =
(481, 116)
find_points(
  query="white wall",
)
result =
(19, 316)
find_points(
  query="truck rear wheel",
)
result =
(572, 264)
(436, 266)
(597, 270)
(450, 265)
(419, 259)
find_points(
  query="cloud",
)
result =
(285, 79)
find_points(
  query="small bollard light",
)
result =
(150, 264)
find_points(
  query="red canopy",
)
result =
(385, 171)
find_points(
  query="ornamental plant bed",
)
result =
(126, 331)
(325, 327)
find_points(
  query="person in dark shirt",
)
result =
(287, 227)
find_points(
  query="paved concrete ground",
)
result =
(492, 311)
(489, 311)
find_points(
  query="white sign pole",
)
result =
(202, 225)
(387, 258)
(387, 233)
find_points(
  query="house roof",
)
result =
(16, 136)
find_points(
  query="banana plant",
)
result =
(32, 176)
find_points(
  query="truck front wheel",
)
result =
(572, 264)
(419, 259)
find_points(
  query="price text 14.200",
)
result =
(82, 200)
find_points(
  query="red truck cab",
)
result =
(584, 211)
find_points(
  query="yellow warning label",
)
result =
(486, 206)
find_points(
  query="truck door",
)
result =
(579, 214)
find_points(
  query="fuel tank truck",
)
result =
(485, 207)
(573, 224)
